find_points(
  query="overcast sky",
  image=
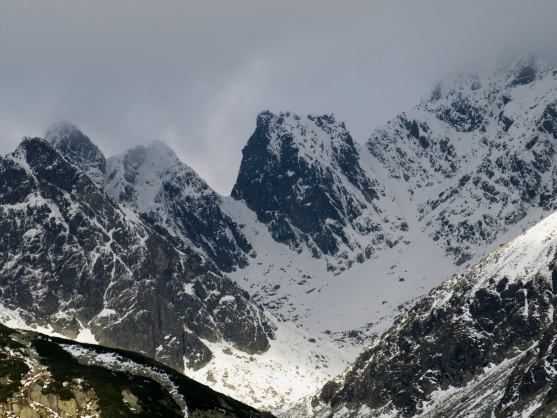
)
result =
(195, 74)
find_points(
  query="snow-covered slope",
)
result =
(459, 180)
(477, 156)
(295, 365)
(481, 344)
(153, 181)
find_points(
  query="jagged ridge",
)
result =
(477, 155)
(500, 314)
(73, 260)
(154, 181)
(302, 177)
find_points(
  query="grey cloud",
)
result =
(195, 74)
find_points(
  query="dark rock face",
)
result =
(155, 182)
(525, 72)
(462, 114)
(548, 121)
(482, 325)
(302, 177)
(72, 259)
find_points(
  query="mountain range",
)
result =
(267, 295)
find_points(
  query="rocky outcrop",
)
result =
(482, 344)
(33, 403)
(152, 180)
(79, 149)
(476, 156)
(72, 259)
(303, 179)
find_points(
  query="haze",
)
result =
(196, 74)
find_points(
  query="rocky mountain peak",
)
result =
(302, 177)
(75, 259)
(141, 170)
(64, 131)
(317, 139)
(482, 139)
(145, 169)
(488, 80)
(156, 152)
(525, 69)
(78, 148)
(152, 180)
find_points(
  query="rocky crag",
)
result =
(75, 261)
(153, 181)
(303, 179)
(481, 344)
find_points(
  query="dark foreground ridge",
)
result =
(45, 376)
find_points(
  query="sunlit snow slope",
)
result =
(481, 344)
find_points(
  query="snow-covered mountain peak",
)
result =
(144, 170)
(76, 146)
(320, 140)
(159, 148)
(477, 154)
(152, 180)
(527, 68)
(159, 157)
(62, 131)
(488, 80)
(302, 177)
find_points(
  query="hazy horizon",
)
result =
(196, 75)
